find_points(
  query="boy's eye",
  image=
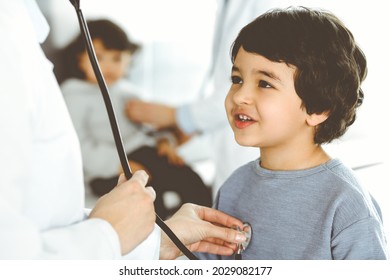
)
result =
(264, 84)
(236, 80)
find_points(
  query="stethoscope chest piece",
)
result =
(241, 247)
(247, 230)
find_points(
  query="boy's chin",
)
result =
(243, 142)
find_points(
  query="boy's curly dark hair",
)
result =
(330, 66)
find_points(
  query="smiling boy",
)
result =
(296, 80)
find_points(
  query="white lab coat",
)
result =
(41, 185)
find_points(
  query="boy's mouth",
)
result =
(243, 118)
(242, 121)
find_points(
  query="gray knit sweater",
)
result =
(317, 213)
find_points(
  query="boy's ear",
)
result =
(316, 119)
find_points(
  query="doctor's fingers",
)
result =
(222, 235)
(216, 246)
(121, 179)
(151, 192)
(217, 217)
(137, 183)
(138, 180)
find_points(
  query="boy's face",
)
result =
(262, 106)
(113, 63)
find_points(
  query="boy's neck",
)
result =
(293, 159)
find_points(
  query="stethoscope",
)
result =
(241, 247)
(247, 230)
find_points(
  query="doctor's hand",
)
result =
(157, 115)
(129, 209)
(201, 229)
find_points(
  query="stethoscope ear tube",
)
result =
(106, 97)
(114, 124)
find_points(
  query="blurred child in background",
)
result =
(145, 150)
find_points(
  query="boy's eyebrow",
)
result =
(270, 75)
(266, 73)
(235, 68)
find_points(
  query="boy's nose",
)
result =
(242, 96)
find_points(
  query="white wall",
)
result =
(175, 36)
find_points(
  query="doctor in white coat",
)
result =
(41, 185)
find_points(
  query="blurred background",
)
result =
(176, 39)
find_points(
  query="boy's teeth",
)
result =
(243, 118)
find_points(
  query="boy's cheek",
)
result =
(228, 108)
(228, 101)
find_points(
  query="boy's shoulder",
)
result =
(242, 174)
(247, 167)
(334, 173)
(343, 175)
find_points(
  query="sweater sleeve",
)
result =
(362, 240)
(20, 238)
(96, 239)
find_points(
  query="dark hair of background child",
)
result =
(112, 36)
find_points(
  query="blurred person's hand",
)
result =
(157, 115)
(166, 149)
